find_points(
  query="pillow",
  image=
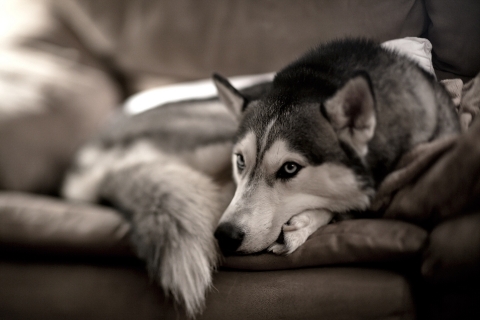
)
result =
(200, 89)
(417, 49)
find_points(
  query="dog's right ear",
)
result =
(230, 96)
(351, 112)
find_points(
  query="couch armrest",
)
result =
(58, 227)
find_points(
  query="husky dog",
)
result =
(314, 143)
(333, 125)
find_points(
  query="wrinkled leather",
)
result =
(454, 30)
(32, 227)
(111, 291)
(50, 225)
(346, 242)
(453, 251)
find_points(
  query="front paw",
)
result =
(295, 233)
(297, 230)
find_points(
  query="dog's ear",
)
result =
(351, 112)
(230, 96)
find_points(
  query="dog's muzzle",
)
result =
(229, 238)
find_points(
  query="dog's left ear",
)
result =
(230, 96)
(351, 112)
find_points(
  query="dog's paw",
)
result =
(297, 230)
(295, 233)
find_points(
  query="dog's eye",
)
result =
(240, 162)
(288, 170)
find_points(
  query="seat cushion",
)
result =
(58, 290)
(61, 258)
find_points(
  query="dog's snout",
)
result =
(229, 238)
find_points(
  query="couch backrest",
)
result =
(185, 39)
(454, 30)
(192, 38)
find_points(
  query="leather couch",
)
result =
(66, 66)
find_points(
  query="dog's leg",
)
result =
(299, 228)
(174, 211)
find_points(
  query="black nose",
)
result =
(229, 238)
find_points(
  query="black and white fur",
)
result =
(315, 143)
(333, 125)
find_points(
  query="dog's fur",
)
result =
(316, 142)
(342, 115)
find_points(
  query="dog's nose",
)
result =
(229, 238)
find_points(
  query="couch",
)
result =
(66, 67)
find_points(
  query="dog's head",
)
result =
(295, 150)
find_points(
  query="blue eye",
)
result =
(288, 170)
(240, 162)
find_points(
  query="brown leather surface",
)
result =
(454, 30)
(193, 38)
(351, 241)
(448, 188)
(189, 39)
(37, 233)
(76, 291)
(30, 290)
(50, 225)
(453, 251)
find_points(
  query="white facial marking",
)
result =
(266, 134)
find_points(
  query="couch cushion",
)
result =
(56, 290)
(37, 233)
(454, 31)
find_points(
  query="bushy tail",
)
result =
(174, 211)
